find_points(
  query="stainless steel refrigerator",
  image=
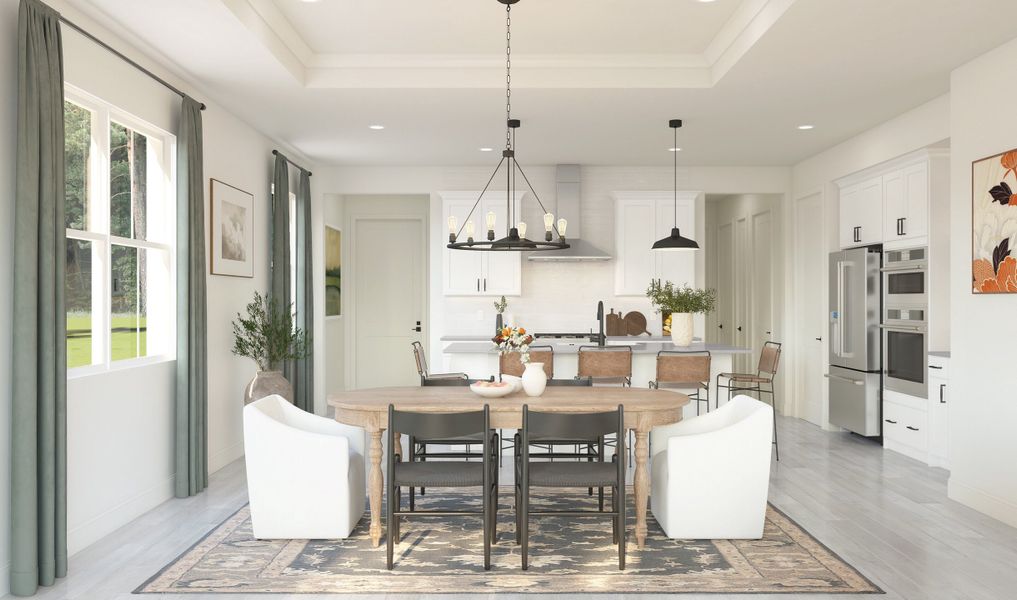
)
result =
(855, 341)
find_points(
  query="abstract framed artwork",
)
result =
(333, 272)
(994, 224)
(232, 219)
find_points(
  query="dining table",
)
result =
(644, 410)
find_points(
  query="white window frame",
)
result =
(98, 233)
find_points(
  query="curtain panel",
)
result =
(279, 259)
(303, 369)
(39, 386)
(191, 401)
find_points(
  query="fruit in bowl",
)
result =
(492, 389)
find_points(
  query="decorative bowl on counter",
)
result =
(516, 382)
(492, 389)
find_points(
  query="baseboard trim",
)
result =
(224, 457)
(995, 507)
(98, 527)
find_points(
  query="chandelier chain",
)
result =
(508, 74)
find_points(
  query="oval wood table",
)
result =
(644, 410)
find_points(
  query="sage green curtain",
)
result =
(303, 369)
(279, 259)
(39, 386)
(191, 404)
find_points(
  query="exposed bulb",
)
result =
(562, 224)
(453, 224)
(521, 227)
(469, 229)
(548, 221)
(490, 221)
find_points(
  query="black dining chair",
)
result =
(598, 474)
(441, 474)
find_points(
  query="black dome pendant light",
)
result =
(675, 241)
(515, 232)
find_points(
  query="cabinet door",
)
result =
(676, 266)
(916, 200)
(635, 263)
(870, 211)
(850, 224)
(939, 422)
(463, 268)
(894, 205)
(502, 272)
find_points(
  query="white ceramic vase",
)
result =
(266, 383)
(681, 329)
(534, 379)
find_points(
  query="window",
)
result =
(121, 217)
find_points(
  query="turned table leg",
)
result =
(641, 484)
(375, 482)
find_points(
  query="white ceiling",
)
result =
(595, 81)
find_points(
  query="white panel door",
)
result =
(391, 277)
(635, 263)
(810, 309)
(894, 205)
(502, 273)
(676, 266)
(725, 284)
(916, 194)
(761, 279)
(463, 269)
(742, 299)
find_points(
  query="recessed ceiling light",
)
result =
(701, 1)
(377, 127)
(674, 149)
(806, 127)
(487, 149)
(313, 1)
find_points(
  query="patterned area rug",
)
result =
(445, 555)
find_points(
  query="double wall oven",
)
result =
(905, 326)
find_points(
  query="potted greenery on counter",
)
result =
(678, 304)
(267, 336)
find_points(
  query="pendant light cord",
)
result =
(508, 116)
(675, 150)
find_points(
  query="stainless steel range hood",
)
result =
(569, 204)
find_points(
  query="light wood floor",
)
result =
(885, 514)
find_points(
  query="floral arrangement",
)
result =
(514, 339)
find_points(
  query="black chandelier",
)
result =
(675, 241)
(515, 238)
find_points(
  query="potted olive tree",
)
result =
(678, 304)
(267, 336)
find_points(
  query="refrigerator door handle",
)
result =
(841, 378)
(841, 316)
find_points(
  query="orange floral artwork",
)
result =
(994, 224)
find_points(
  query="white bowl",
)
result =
(492, 392)
(517, 382)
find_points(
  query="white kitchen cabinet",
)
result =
(473, 273)
(906, 203)
(939, 411)
(642, 218)
(906, 425)
(861, 213)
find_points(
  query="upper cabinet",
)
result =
(641, 218)
(889, 203)
(477, 273)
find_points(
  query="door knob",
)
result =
(417, 328)
(721, 326)
(739, 328)
(819, 339)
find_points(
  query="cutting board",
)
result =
(635, 323)
(614, 324)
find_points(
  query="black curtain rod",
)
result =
(287, 159)
(121, 56)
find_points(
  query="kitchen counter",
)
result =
(940, 353)
(638, 345)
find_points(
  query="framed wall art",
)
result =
(232, 218)
(994, 224)
(333, 272)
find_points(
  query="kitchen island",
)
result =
(479, 359)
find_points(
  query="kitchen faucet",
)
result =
(601, 340)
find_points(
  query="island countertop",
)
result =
(639, 345)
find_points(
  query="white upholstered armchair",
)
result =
(305, 473)
(711, 474)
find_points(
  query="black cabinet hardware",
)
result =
(819, 339)
(912, 428)
(942, 388)
(478, 284)
(935, 367)
(769, 333)
(739, 328)
(721, 326)
(889, 421)
(485, 284)
(902, 221)
(858, 234)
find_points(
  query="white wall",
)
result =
(924, 126)
(982, 377)
(120, 424)
(555, 295)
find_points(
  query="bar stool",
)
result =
(685, 370)
(766, 371)
(427, 378)
(607, 365)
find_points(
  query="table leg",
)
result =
(375, 481)
(641, 484)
